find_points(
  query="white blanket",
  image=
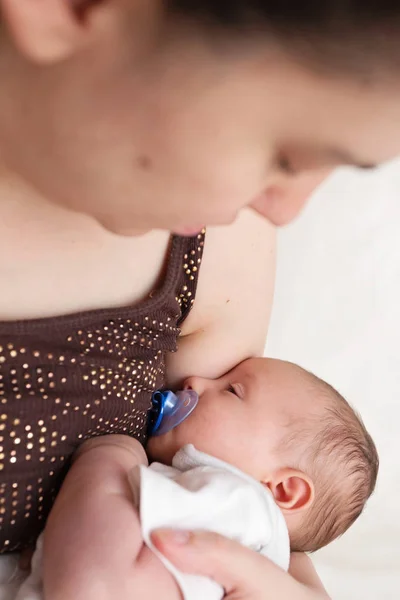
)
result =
(201, 492)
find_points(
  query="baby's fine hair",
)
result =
(342, 460)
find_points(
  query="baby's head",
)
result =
(291, 431)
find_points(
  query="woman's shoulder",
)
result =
(238, 266)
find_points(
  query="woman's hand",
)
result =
(243, 574)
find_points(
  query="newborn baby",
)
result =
(279, 451)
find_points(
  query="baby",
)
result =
(277, 459)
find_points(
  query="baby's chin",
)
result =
(162, 448)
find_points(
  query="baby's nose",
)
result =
(198, 384)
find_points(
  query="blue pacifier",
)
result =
(169, 410)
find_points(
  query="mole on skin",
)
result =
(144, 162)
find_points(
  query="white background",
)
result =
(337, 313)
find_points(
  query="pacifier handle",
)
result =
(170, 410)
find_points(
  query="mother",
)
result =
(146, 117)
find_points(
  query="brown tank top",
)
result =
(64, 380)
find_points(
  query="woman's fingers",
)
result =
(241, 572)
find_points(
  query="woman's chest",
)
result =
(61, 272)
(63, 383)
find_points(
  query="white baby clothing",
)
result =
(202, 492)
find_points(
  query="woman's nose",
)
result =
(281, 203)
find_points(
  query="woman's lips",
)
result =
(188, 231)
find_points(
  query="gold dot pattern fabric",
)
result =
(65, 380)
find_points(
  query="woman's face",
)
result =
(146, 127)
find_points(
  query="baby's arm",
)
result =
(93, 545)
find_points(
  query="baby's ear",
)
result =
(293, 490)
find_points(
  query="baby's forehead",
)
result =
(294, 391)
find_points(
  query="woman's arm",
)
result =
(93, 534)
(302, 569)
(233, 301)
(243, 574)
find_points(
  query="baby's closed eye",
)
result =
(236, 389)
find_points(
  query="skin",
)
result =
(140, 109)
(243, 575)
(113, 120)
(251, 404)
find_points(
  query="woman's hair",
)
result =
(352, 35)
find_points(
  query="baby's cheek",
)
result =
(206, 434)
(155, 448)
